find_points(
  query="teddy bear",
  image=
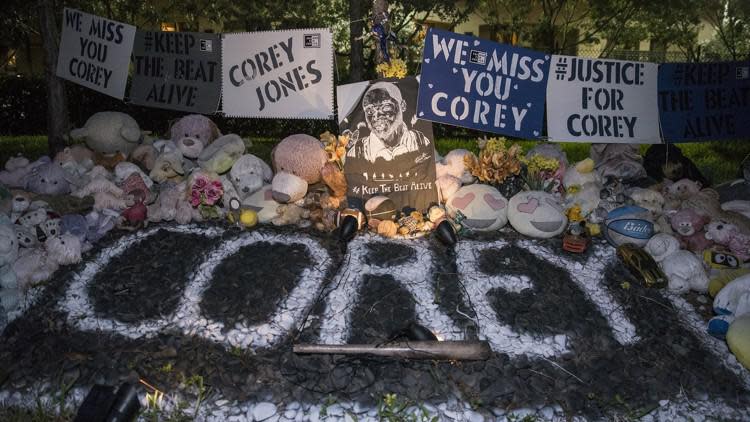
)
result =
(297, 161)
(653, 201)
(16, 173)
(727, 234)
(20, 203)
(451, 173)
(191, 130)
(221, 154)
(37, 265)
(687, 194)
(96, 186)
(26, 236)
(165, 206)
(8, 255)
(41, 223)
(689, 226)
(48, 179)
(109, 132)
(76, 225)
(78, 154)
(125, 169)
(100, 222)
(683, 269)
(248, 175)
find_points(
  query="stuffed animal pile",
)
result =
(119, 178)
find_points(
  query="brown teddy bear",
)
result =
(297, 162)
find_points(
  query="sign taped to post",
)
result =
(95, 52)
(479, 84)
(177, 70)
(606, 101)
(704, 101)
(278, 74)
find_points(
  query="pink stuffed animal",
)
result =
(729, 235)
(689, 225)
(451, 173)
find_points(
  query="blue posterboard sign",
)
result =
(479, 84)
(704, 101)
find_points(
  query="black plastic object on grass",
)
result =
(446, 233)
(102, 404)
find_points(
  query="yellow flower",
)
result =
(395, 69)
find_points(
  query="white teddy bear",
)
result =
(451, 173)
(683, 269)
(248, 175)
(37, 265)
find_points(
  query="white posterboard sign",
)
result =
(604, 101)
(95, 52)
(278, 74)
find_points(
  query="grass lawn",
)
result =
(718, 160)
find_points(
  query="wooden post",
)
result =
(57, 100)
(356, 50)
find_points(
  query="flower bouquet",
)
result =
(497, 165)
(205, 193)
(543, 174)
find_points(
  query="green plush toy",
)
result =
(738, 339)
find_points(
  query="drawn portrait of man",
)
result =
(390, 152)
(389, 135)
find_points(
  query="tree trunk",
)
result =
(380, 16)
(57, 100)
(356, 51)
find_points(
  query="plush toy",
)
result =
(482, 207)
(675, 193)
(706, 203)
(135, 216)
(622, 161)
(109, 132)
(727, 234)
(451, 173)
(105, 200)
(125, 169)
(19, 205)
(731, 302)
(683, 269)
(77, 154)
(16, 163)
(33, 218)
(248, 174)
(100, 223)
(76, 225)
(536, 214)
(37, 265)
(134, 186)
(738, 339)
(290, 214)
(109, 161)
(666, 161)
(629, 224)
(145, 156)
(165, 207)
(380, 208)
(689, 225)
(220, 155)
(262, 202)
(721, 278)
(48, 179)
(653, 201)
(191, 129)
(297, 160)
(334, 178)
(168, 166)
(17, 175)
(26, 236)
(8, 279)
(97, 186)
(582, 186)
